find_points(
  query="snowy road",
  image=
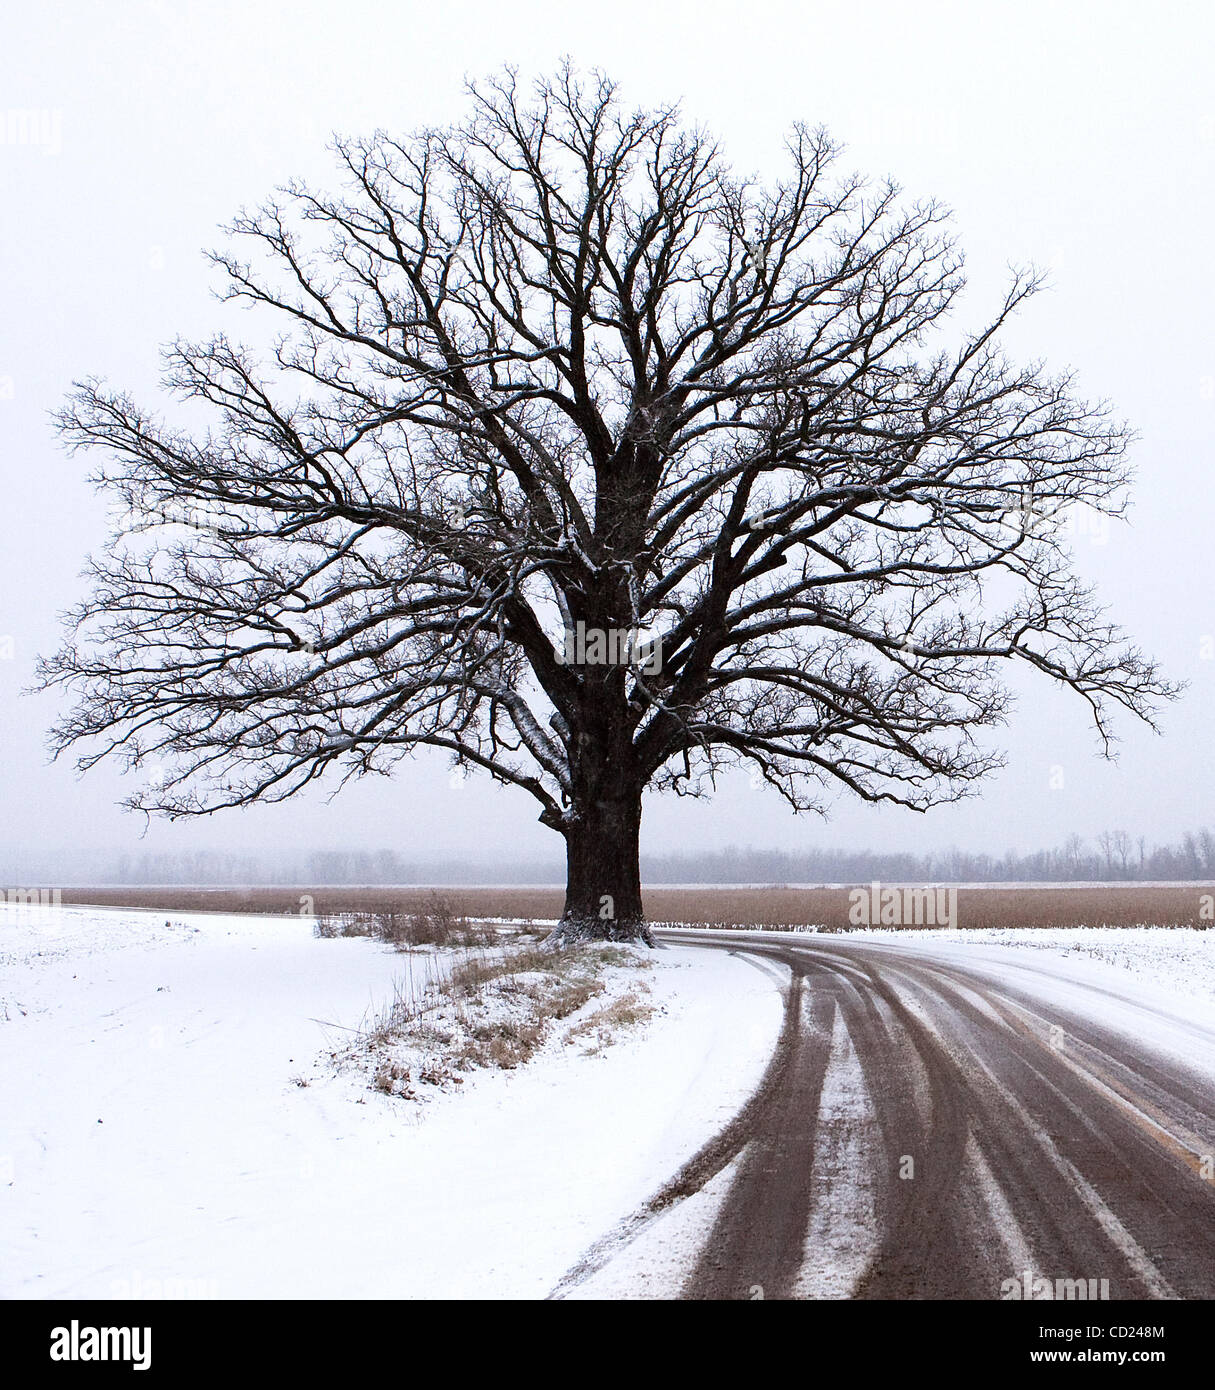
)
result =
(938, 1119)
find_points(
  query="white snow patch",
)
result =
(1175, 958)
(657, 1262)
(152, 1140)
(843, 1236)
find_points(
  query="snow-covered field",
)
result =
(1176, 959)
(155, 1139)
(173, 1121)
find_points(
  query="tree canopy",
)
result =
(559, 365)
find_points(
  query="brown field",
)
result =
(1085, 905)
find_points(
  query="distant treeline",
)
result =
(1114, 855)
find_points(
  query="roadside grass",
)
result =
(434, 922)
(598, 1029)
(493, 1007)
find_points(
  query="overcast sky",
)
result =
(1078, 137)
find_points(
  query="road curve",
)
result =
(929, 1128)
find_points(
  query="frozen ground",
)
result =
(155, 1139)
(1176, 959)
(171, 1123)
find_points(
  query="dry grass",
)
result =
(492, 1008)
(394, 1080)
(1114, 905)
(433, 923)
(504, 1043)
(600, 1028)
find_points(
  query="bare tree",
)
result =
(1123, 845)
(602, 469)
(1073, 855)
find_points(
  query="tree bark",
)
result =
(603, 876)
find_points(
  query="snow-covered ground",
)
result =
(1177, 959)
(173, 1121)
(156, 1140)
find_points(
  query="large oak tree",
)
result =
(559, 370)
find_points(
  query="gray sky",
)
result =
(1080, 137)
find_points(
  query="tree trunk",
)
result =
(603, 876)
